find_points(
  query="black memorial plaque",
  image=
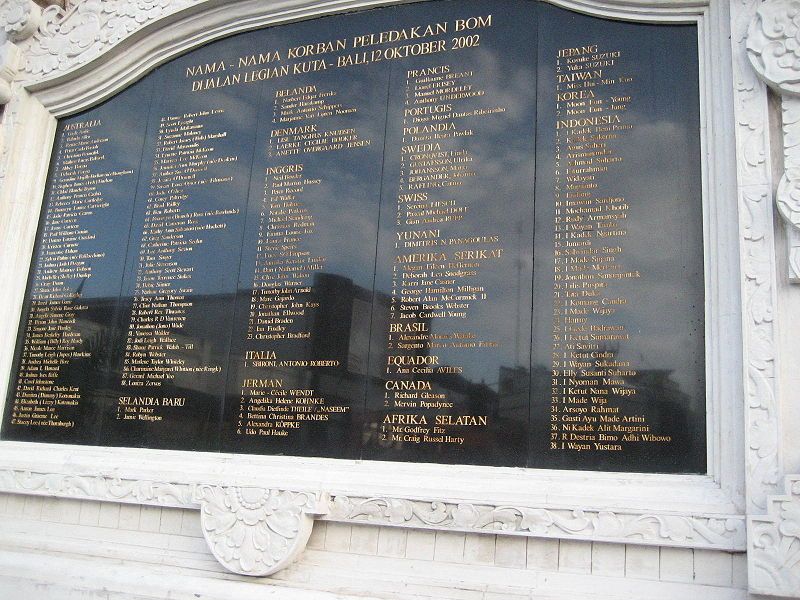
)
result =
(64, 385)
(454, 232)
(183, 254)
(618, 367)
(295, 374)
(451, 317)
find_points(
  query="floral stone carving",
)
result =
(773, 47)
(19, 19)
(256, 531)
(773, 44)
(66, 40)
(662, 529)
(774, 545)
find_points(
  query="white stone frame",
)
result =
(77, 59)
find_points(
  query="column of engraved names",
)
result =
(155, 349)
(65, 262)
(275, 399)
(590, 382)
(436, 273)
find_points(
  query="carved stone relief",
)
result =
(282, 512)
(775, 545)
(19, 18)
(546, 522)
(250, 531)
(773, 47)
(256, 531)
(68, 39)
(9, 62)
(772, 42)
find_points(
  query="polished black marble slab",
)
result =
(631, 339)
(383, 235)
(454, 250)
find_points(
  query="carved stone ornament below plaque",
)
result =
(255, 531)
